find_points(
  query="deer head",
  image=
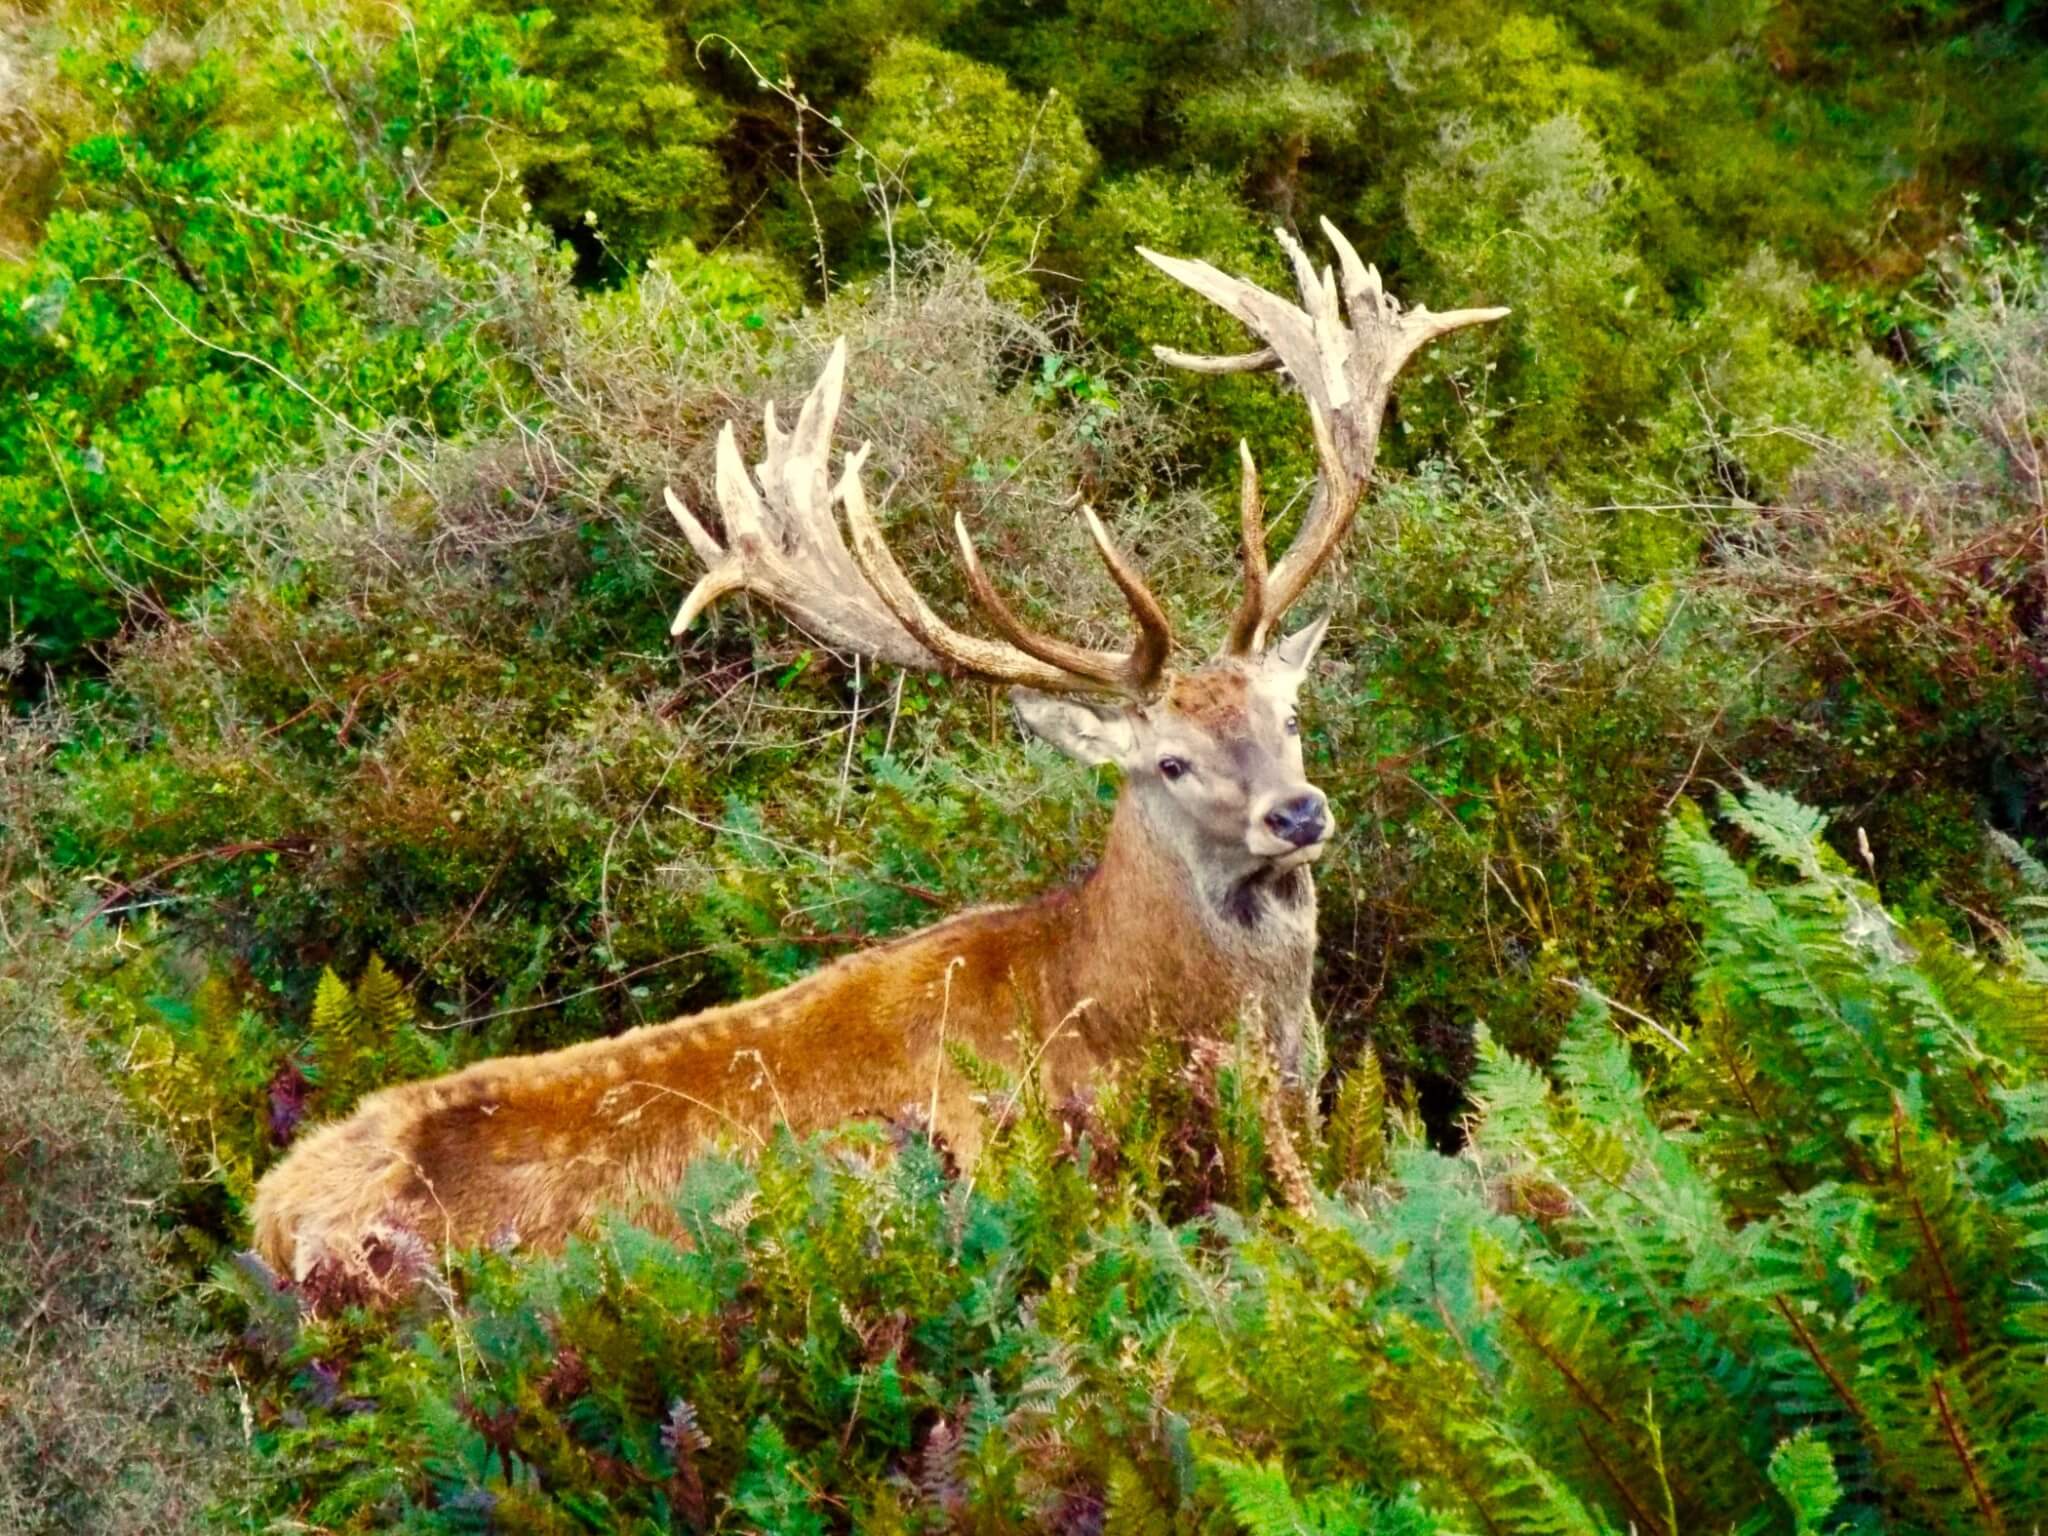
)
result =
(1212, 757)
(1213, 765)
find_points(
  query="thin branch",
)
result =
(225, 851)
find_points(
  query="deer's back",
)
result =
(523, 1147)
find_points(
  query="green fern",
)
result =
(1802, 1469)
(1130, 1508)
(1785, 1276)
(1264, 1505)
(362, 1039)
(1355, 1139)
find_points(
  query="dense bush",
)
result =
(195, 306)
(949, 151)
(214, 204)
(101, 1424)
(440, 726)
(624, 162)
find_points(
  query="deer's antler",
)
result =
(782, 541)
(1345, 369)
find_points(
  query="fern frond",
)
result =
(1802, 1469)
(1355, 1138)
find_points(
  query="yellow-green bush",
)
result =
(957, 154)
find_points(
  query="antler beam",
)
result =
(1345, 369)
(782, 542)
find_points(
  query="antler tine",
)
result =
(1023, 656)
(948, 648)
(792, 556)
(1135, 672)
(1345, 372)
(1146, 662)
(1374, 309)
(1247, 629)
(1262, 361)
(782, 542)
(1284, 328)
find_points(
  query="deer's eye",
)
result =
(1293, 725)
(1171, 768)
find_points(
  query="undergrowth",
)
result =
(1794, 1285)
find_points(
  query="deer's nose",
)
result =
(1299, 821)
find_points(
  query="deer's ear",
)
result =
(1094, 733)
(1299, 649)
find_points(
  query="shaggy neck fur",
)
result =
(1210, 953)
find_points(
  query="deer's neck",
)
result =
(1155, 945)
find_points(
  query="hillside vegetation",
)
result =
(1670, 1178)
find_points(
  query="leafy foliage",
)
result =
(197, 302)
(210, 211)
(625, 163)
(966, 158)
(205, 1067)
(362, 1039)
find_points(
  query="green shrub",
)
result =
(1124, 63)
(1541, 221)
(1523, 698)
(1502, 736)
(198, 305)
(825, 50)
(962, 157)
(625, 163)
(1767, 381)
